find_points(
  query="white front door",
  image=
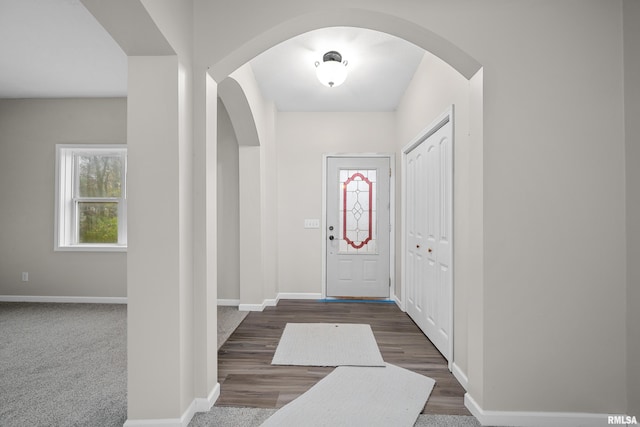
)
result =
(358, 227)
(429, 287)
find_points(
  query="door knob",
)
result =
(331, 237)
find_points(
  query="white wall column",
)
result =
(475, 288)
(251, 261)
(155, 341)
(228, 209)
(205, 304)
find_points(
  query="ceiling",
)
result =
(380, 67)
(56, 48)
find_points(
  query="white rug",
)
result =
(327, 344)
(359, 396)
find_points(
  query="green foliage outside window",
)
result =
(99, 176)
(98, 222)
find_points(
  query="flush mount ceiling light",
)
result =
(332, 71)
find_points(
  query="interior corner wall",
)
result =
(302, 139)
(228, 208)
(260, 116)
(631, 13)
(269, 194)
(29, 130)
(186, 226)
(475, 273)
(434, 88)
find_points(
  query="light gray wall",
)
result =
(554, 208)
(228, 209)
(552, 97)
(553, 165)
(302, 139)
(632, 128)
(29, 130)
(435, 87)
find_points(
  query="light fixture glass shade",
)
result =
(331, 73)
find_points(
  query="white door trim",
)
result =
(444, 118)
(392, 216)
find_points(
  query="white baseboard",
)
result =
(80, 300)
(183, 421)
(398, 302)
(258, 307)
(293, 295)
(198, 405)
(204, 404)
(251, 307)
(460, 376)
(229, 302)
(273, 302)
(533, 419)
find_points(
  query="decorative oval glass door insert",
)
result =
(358, 221)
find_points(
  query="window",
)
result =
(91, 197)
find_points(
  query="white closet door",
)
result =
(429, 184)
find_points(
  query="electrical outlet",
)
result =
(25, 276)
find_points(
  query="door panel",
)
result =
(358, 231)
(429, 178)
(415, 234)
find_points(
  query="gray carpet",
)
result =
(221, 416)
(66, 364)
(229, 318)
(62, 364)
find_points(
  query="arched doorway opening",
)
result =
(468, 161)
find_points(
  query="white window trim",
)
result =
(65, 222)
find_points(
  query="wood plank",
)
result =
(248, 379)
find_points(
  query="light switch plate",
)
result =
(311, 223)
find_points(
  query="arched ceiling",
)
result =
(380, 66)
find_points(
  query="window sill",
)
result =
(91, 248)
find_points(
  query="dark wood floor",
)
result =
(248, 379)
